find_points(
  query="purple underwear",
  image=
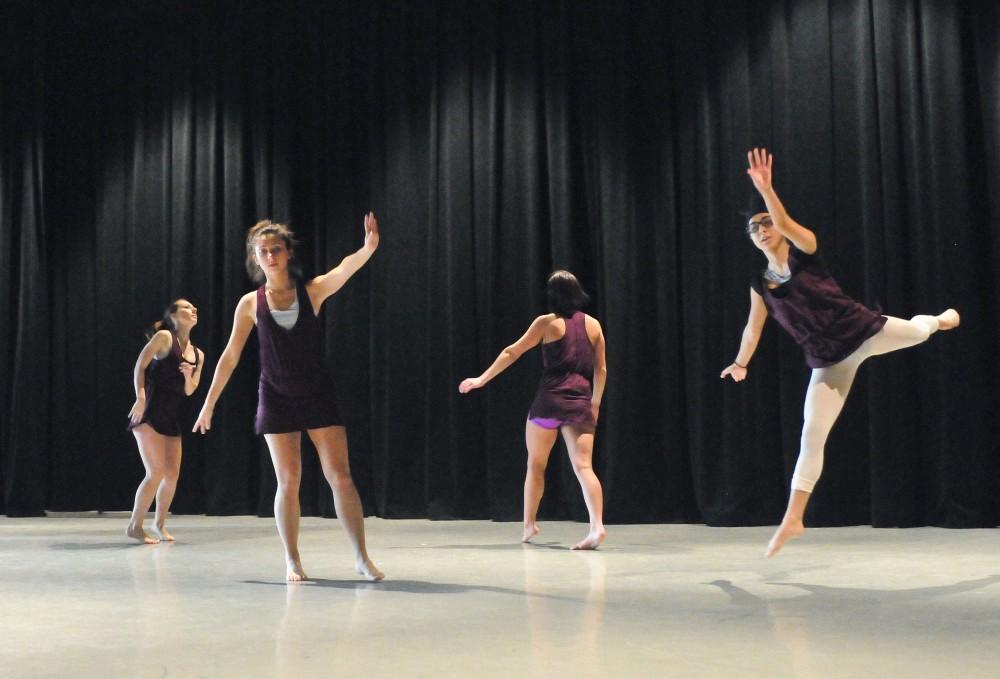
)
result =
(546, 422)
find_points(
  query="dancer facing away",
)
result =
(296, 390)
(568, 398)
(836, 332)
(168, 369)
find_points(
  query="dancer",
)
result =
(568, 398)
(168, 368)
(836, 332)
(296, 392)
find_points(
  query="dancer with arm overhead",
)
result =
(568, 398)
(296, 391)
(167, 370)
(836, 333)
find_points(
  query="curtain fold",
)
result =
(497, 141)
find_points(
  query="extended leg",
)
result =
(286, 456)
(825, 397)
(539, 442)
(331, 445)
(580, 446)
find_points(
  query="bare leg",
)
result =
(152, 450)
(580, 446)
(791, 525)
(286, 456)
(539, 442)
(167, 487)
(331, 445)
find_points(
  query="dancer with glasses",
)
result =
(836, 333)
(568, 398)
(296, 391)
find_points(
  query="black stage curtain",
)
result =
(497, 141)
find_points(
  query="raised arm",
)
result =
(760, 173)
(600, 370)
(158, 345)
(751, 335)
(510, 354)
(243, 323)
(333, 280)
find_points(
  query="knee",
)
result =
(289, 483)
(339, 479)
(536, 467)
(170, 476)
(581, 466)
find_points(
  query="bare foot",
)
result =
(785, 532)
(948, 319)
(530, 531)
(162, 534)
(294, 572)
(592, 541)
(367, 569)
(139, 534)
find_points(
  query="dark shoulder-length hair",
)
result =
(266, 227)
(565, 296)
(165, 322)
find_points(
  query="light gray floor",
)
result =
(465, 599)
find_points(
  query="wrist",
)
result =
(744, 367)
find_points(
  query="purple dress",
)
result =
(566, 387)
(811, 307)
(296, 390)
(165, 391)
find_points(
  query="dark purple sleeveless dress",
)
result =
(165, 391)
(296, 390)
(567, 387)
(811, 307)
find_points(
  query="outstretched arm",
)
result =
(333, 280)
(751, 335)
(242, 325)
(760, 173)
(507, 357)
(158, 344)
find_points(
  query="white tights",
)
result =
(828, 389)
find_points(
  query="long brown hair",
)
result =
(266, 227)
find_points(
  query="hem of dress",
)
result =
(874, 329)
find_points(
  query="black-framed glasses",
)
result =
(754, 227)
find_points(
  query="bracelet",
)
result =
(739, 366)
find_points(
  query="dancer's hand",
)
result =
(204, 421)
(371, 232)
(738, 373)
(470, 383)
(760, 168)
(187, 370)
(138, 408)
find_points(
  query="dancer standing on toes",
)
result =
(168, 369)
(836, 332)
(296, 392)
(568, 398)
